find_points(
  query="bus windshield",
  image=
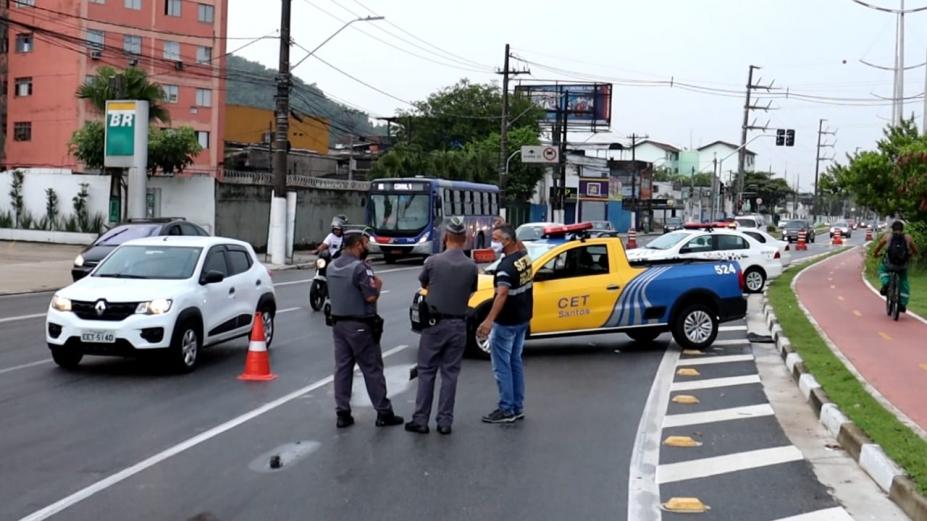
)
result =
(400, 212)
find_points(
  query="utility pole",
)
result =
(635, 180)
(277, 240)
(817, 166)
(715, 196)
(504, 126)
(746, 127)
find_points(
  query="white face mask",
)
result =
(496, 247)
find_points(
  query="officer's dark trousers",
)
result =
(441, 346)
(354, 344)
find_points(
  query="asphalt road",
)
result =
(128, 437)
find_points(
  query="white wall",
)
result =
(66, 185)
(193, 198)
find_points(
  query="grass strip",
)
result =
(901, 444)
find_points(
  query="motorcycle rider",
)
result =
(332, 242)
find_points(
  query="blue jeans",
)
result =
(506, 344)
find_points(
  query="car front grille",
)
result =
(114, 311)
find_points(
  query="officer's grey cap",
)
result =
(456, 226)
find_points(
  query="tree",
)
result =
(463, 113)
(891, 180)
(772, 190)
(131, 83)
(170, 150)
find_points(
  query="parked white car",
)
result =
(170, 295)
(758, 262)
(785, 251)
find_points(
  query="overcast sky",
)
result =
(810, 46)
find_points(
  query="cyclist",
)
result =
(899, 248)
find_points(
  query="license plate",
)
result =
(98, 337)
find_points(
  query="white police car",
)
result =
(169, 295)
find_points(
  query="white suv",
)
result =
(170, 295)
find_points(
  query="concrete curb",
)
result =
(868, 455)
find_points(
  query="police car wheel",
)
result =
(267, 316)
(66, 359)
(696, 327)
(754, 280)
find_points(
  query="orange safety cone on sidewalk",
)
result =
(632, 240)
(868, 234)
(257, 365)
(838, 240)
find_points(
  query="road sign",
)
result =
(545, 154)
(126, 137)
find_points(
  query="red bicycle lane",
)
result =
(891, 356)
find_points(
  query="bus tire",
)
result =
(389, 258)
(480, 241)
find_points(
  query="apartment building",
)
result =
(52, 46)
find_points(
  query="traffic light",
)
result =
(721, 191)
(790, 137)
(780, 137)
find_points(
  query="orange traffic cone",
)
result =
(838, 240)
(632, 240)
(868, 234)
(257, 365)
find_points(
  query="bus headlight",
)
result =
(425, 238)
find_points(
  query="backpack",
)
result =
(898, 253)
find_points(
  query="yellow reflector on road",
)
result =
(685, 399)
(693, 352)
(688, 371)
(681, 441)
(685, 505)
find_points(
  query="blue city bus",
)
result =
(405, 216)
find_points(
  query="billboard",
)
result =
(634, 178)
(585, 105)
(597, 189)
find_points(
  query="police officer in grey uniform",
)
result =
(450, 278)
(353, 291)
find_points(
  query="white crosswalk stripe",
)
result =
(708, 360)
(705, 467)
(734, 413)
(713, 383)
(830, 514)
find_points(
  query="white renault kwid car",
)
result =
(170, 295)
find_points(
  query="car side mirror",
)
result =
(213, 277)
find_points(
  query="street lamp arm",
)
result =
(738, 149)
(512, 155)
(343, 27)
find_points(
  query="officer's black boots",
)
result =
(417, 427)
(345, 420)
(444, 429)
(388, 419)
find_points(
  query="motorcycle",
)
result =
(318, 288)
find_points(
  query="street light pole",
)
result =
(278, 216)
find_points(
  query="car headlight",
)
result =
(320, 264)
(79, 261)
(61, 303)
(424, 238)
(158, 306)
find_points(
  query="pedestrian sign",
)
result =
(126, 135)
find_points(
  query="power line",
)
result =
(390, 44)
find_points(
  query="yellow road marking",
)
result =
(857, 313)
(884, 335)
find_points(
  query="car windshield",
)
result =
(674, 220)
(748, 222)
(150, 262)
(121, 234)
(841, 225)
(405, 212)
(665, 242)
(601, 225)
(530, 232)
(535, 250)
(795, 225)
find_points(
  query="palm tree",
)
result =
(135, 85)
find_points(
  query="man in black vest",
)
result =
(354, 291)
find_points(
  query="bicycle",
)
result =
(893, 295)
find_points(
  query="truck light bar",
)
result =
(565, 229)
